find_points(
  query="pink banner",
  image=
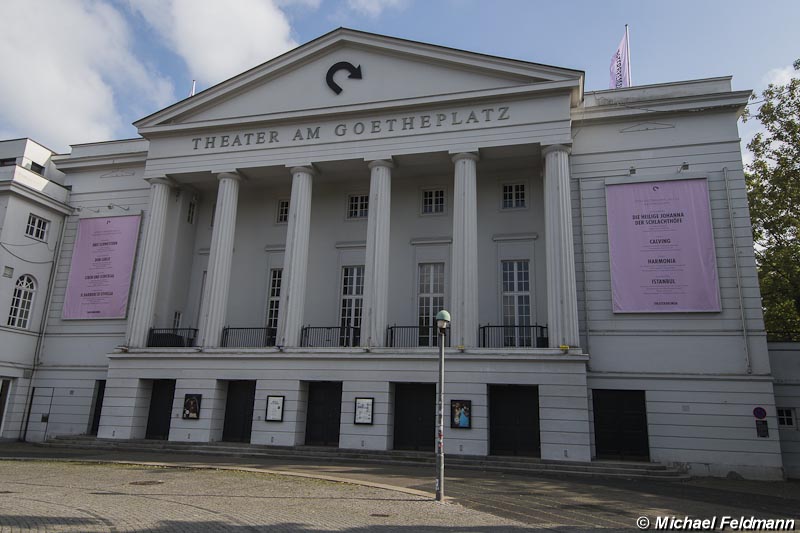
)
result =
(102, 265)
(661, 247)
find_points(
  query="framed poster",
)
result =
(101, 269)
(191, 406)
(363, 414)
(661, 247)
(274, 409)
(461, 414)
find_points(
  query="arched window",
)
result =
(22, 301)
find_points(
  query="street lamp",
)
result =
(442, 321)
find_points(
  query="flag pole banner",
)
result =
(619, 70)
(102, 265)
(661, 247)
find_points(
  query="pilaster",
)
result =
(215, 299)
(295, 265)
(376, 269)
(144, 299)
(464, 267)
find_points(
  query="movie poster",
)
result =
(102, 265)
(661, 247)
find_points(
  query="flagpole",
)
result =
(628, 46)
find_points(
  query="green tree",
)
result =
(773, 182)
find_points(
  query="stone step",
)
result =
(521, 465)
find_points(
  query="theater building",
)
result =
(264, 265)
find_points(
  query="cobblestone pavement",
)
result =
(552, 502)
(60, 496)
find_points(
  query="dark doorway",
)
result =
(160, 414)
(239, 411)
(620, 425)
(99, 394)
(514, 420)
(324, 413)
(415, 416)
(5, 384)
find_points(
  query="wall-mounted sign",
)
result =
(461, 414)
(191, 406)
(760, 413)
(661, 247)
(355, 74)
(102, 264)
(363, 412)
(274, 409)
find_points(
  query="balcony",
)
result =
(329, 337)
(248, 337)
(414, 336)
(171, 337)
(532, 336)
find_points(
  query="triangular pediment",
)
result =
(392, 70)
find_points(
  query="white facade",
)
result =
(420, 185)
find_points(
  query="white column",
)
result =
(295, 261)
(562, 300)
(215, 298)
(464, 263)
(376, 268)
(144, 299)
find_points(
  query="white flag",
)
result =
(620, 69)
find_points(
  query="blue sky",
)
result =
(95, 66)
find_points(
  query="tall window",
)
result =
(430, 300)
(352, 302)
(21, 302)
(191, 211)
(358, 206)
(516, 304)
(513, 195)
(37, 227)
(433, 201)
(274, 297)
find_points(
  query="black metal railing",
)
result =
(327, 337)
(533, 336)
(414, 336)
(248, 337)
(171, 337)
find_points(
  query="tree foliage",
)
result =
(773, 181)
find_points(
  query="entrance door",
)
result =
(239, 411)
(5, 384)
(99, 394)
(514, 420)
(620, 424)
(415, 416)
(160, 414)
(324, 413)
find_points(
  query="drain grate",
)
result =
(381, 515)
(147, 482)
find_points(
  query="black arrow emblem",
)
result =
(355, 74)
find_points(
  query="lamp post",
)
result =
(442, 321)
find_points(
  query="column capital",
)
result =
(161, 180)
(306, 169)
(555, 148)
(472, 156)
(388, 163)
(231, 175)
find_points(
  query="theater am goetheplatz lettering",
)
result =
(265, 262)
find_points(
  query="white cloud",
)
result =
(779, 76)
(310, 4)
(65, 66)
(373, 8)
(217, 39)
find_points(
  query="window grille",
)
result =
(358, 206)
(37, 227)
(283, 212)
(274, 297)
(433, 202)
(22, 302)
(516, 303)
(513, 196)
(430, 300)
